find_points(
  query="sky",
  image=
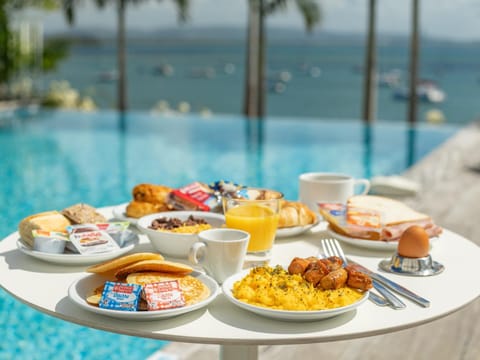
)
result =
(446, 19)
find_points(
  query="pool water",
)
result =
(55, 159)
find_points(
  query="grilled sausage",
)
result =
(357, 279)
(332, 263)
(298, 265)
(334, 279)
(315, 272)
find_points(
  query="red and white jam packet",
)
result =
(163, 295)
(120, 296)
(195, 196)
(89, 239)
(117, 230)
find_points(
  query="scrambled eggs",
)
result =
(275, 288)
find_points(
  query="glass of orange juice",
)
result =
(260, 219)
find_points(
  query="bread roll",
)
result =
(49, 221)
(295, 214)
(150, 193)
(83, 214)
(137, 209)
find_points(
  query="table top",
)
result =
(44, 286)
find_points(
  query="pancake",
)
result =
(112, 266)
(161, 266)
(193, 289)
(96, 295)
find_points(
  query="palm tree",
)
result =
(122, 103)
(254, 92)
(370, 84)
(414, 49)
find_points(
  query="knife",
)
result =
(390, 299)
(391, 284)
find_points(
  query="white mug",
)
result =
(221, 252)
(317, 187)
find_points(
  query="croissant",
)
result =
(295, 214)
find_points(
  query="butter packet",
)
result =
(120, 296)
(89, 239)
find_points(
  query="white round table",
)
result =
(44, 286)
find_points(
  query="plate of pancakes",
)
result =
(198, 289)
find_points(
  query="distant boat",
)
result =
(390, 78)
(164, 70)
(229, 68)
(203, 73)
(107, 76)
(427, 90)
(277, 87)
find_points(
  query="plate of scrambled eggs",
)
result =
(273, 292)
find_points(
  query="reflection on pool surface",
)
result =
(57, 159)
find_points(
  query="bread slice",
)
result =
(392, 211)
(48, 221)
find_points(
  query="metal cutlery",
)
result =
(399, 289)
(331, 247)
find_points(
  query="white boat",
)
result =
(427, 91)
(390, 78)
(107, 76)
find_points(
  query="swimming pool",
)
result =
(55, 159)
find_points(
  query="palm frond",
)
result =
(182, 10)
(311, 13)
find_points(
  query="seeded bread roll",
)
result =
(48, 221)
(83, 214)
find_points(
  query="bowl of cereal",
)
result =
(172, 233)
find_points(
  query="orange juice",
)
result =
(258, 220)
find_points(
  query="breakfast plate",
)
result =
(120, 213)
(364, 243)
(81, 288)
(369, 244)
(285, 314)
(77, 259)
(294, 230)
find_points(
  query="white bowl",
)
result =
(176, 244)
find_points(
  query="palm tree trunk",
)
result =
(370, 84)
(414, 49)
(253, 98)
(121, 58)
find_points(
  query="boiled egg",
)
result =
(414, 243)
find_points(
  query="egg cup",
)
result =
(424, 266)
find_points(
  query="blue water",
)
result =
(336, 93)
(55, 159)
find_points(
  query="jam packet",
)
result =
(194, 196)
(118, 231)
(120, 296)
(89, 239)
(163, 295)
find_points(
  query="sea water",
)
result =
(305, 78)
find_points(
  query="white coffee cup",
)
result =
(221, 252)
(318, 187)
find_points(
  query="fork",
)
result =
(331, 247)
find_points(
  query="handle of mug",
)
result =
(365, 183)
(193, 252)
